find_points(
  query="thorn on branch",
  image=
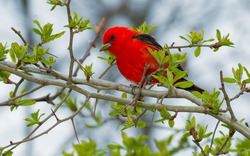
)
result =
(246, 123)
(57, 119)
(74, 126)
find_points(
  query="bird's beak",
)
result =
(105, 47)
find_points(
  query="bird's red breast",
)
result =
(130, 48)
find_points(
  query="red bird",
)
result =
(130, 48)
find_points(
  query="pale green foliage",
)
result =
(78, 24)
(238, 76)
(35, 118)
(210, 100)
(45, 32)
(144, 28)
(3, 51)
(86, 148)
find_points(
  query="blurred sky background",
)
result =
(173, 18)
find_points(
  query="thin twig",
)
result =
(212, 141)
(12, 100)
(242, 90)
(231, 133)
(141, 85)
(74, 127)
(228, 102)
(107, 69)
(13, 145)
(198, 144)
(152, 119)
(25, 42)
(22, 38)
(17, 86)
(139, 117)
(70, 46)
(215, 45)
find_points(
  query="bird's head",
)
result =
(113, 38)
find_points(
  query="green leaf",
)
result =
(207, 135)
(144, 28)
(9, 153)
(229, 80)
(246, 81)
(86, 148)
(179, 74)
(209, 40)
(38, 24)
(184, 38)
(45, 32)
(78, 24)
(65, 153)
(197, 51)
(115, 146)
(4, 76)
(3, 51)
(55, 36)
(191, 124)
(197, 94)
(38, 32)
(171, 123)
(218, 35)
(184, 84)
(141, 124)
(246, 71)
(110, 59)
(26, 102)
(165, 114)
(170, 76)
(51, 60)
(12, 55)
(87, 70)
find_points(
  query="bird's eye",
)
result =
(112, 37)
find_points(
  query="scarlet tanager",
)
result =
(130, 48)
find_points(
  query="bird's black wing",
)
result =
(148, 39)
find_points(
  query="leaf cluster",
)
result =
(45, 32)
(170, 73)
(77, 23)
(3, 51)
(143, 28)
(196, 130)
(56, 3)
(166, 116)
(210, 100)
(238, 75)
(35, 118)
(85, 148)
(131, 114)
(196, 39)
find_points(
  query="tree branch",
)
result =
(177, 93)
